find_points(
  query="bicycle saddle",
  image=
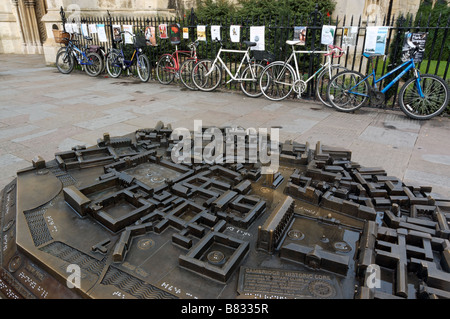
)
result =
(88, 38)
(249, 43)
(292, 42)
(371, 56)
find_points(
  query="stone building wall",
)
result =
(374, 10)
(26, 25)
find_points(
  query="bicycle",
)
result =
(100, 50)
(207, 74)
(90, 61)
(421, 97)
(169, 67)
(279, 78)
(116, 62)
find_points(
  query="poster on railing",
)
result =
(235, 33)
(185, 33)
(328, 32)
(75, 28)
(92, 28)
(376, 40)
(116, 32)
(163, 31)
(414, 40)
(201, 33)
(68, 27)
(257, 35)
(349, 36)
(101, 33)
(128, 29)
(215, 32)
(150, 35)
(174, 34)
(300, 35)
(84, 30)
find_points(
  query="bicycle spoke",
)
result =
(347, 91)
(165, 71)
(276, 82)
(186, 73)
(206, 76)
(250, 84)
(434, 100)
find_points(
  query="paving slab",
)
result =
(43, 112)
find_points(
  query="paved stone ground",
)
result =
(43, 112)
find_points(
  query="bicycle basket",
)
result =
(263, 56)
(60, 36)
(140, 41)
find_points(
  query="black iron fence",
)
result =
(279, 29)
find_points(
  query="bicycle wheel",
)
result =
(436, 92)
(113, 64)
(250, 86)
(323, 80)
(64, 62)
(206, 76)
(338, 91)
(277, 81)
(186, 73)
(165, 70)
(95, 65)
(143, 68)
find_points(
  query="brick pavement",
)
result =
(43, 112)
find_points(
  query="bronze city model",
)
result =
(122, 220)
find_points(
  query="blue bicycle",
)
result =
(421, 97)
(90, 61)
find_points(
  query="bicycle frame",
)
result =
(176, 57)
(293, 56)
(233, 77)
(76, 52)
(408, 65)
(129, 63)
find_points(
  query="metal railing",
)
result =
(279, 29)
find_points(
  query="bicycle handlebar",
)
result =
(194, 44)
(336, 51)
(217, 40)
(122, 32)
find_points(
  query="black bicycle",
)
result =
(116, 62)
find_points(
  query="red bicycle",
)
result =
(171, 66)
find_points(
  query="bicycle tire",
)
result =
(96, 67)
(205, 76)
(64, 62)
(186, 73)
(165, 69)
(323, 80)
(112, 64)
(143, 68)
(342, 100)
(281, 88)
(252, 88)
(437, 91)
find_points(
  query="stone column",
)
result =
(52, 20)
(17, 13)
(33, 28)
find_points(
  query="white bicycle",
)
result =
(279, 78)
(207, 74)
